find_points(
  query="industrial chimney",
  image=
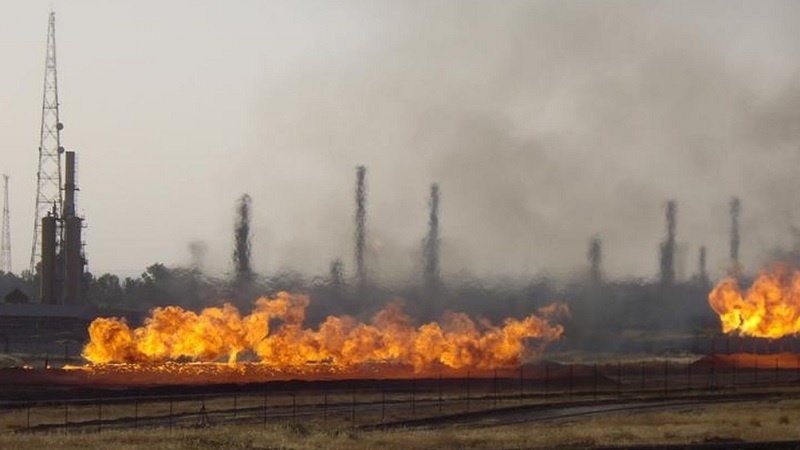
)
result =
(73, 246)
(702, 276)
(595, 256)
(431, 244)
(736, 209)
(47, 284)
(360, 230)
(62, 252)
(668, 247)
(241, 241)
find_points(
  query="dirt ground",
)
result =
(746, 421)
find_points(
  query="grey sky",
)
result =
(544, 123)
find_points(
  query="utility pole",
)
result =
(48, 176)
(5, 258)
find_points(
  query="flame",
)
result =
(174, 334)
(769, 309)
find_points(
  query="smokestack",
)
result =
(431, 246)
(736, 209)
(198, 251)
(595, 256)
(72, 255)
(337, 274)
(73, 260)
(48, 286)
(241, 235)
(702, 273)
(69, 186)
(336, 282)
(360, 233)
(668, 247)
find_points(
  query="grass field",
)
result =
(750, 421)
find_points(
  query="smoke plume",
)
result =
(548, 122)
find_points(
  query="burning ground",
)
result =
(273, 336)
(770, 308)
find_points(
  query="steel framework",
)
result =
(48, 176)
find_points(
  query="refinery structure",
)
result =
(56, 245)
(375, 345)
(56, 310)
(59, 309)
(57, 257)
(436, 346)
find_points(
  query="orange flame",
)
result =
(174, 334)
(769, 309)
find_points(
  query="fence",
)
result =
(373, 403)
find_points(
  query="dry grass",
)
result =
(748, 421)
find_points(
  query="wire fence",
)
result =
(373, 403)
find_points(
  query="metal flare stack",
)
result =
(62, 248)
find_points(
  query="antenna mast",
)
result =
(5, 257)
(48, 177)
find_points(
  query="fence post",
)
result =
(546, 380)
(797, 366)
(776, 371)
(642, 383)
(440, 392)
(494, 388)
(689, 376)
(413, 397)
(203, 419)
(570, 381)
(353, 408)
(467, 390)
(755, 372)
(266, 394)
(712, 377)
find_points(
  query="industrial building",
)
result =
(53, 320)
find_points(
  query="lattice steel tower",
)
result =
(48, 177)
(5, 254)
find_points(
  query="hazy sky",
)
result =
(545, 123)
